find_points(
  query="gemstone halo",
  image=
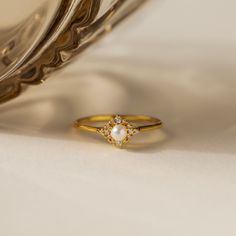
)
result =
(118, 131)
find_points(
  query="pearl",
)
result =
(119, 133)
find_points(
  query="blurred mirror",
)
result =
(38, 37)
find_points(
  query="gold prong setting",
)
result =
(118, 131)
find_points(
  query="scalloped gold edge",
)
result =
(68, 44)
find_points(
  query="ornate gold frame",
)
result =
(77, 24)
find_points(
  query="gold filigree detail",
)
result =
(106, 131)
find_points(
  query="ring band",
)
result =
(119, 128)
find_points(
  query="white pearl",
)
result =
(119, 133)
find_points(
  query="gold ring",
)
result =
(118, 129)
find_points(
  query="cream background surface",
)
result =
(177, 62)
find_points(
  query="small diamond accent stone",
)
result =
(118, 119)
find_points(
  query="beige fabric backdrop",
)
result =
(176, 62)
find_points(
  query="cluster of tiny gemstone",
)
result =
(118, 131)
